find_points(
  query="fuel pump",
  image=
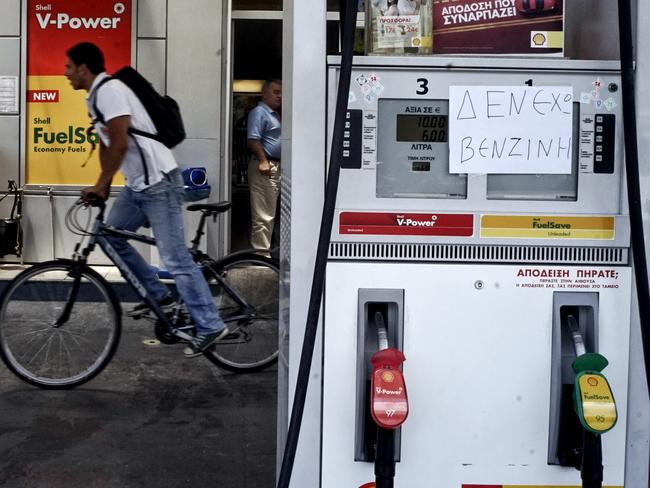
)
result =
(487, 253)
(594, 405)
(469, 251)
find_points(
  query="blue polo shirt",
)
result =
(264, 124)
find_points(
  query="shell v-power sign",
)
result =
(57, 118)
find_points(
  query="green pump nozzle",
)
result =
(593, 398)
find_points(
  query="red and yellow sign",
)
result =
(57, 117)
(547, 227)
(406, 224)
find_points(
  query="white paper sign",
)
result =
(510, 129)
(9, 94)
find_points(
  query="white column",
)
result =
(303, 169)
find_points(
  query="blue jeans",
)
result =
(161, 206)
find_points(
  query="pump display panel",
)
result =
(413, 151)
(402, 154)
(422, 128)
(413, 159)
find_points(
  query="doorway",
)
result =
(256, 56)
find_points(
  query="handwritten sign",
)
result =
(510, 129)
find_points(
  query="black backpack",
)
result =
(163, 110)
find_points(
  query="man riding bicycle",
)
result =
(153, 193)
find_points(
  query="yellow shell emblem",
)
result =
(388, 377)
(539, 39)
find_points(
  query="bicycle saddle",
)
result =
(210, 207)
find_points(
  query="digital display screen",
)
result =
(421, 166)
(422, 128)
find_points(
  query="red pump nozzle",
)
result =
(388, 402)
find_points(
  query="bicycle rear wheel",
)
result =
(252, 343)
(44, 350)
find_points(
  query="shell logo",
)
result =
(388, 377)
(539, 39)
(592, 381)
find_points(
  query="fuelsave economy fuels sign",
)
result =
(57, 116)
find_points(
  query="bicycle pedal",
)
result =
(138, 314)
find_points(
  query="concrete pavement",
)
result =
(152, 418)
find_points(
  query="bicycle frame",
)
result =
(98, 235)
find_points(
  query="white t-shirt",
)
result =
(115, 99)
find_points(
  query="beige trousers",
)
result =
(264, 192)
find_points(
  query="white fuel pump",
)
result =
(485, 262)
(478, 270)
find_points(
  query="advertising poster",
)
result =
(57, 116)
(498, 27)
(399, 26)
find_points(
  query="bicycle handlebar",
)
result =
(93, 202)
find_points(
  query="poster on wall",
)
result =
(498, 27)
(398, 27)
(58, 145)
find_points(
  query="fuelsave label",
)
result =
(548, 227)
(406, 224)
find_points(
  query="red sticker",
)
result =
(42, 96)
(408, 224)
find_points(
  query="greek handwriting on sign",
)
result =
(511, 129)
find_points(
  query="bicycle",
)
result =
(60, 321)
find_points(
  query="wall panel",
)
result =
(151, 62)
(152, 18)
(10, 18)
(194, 64)
(9, 149)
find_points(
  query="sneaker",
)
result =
(202, 342)
(141, 309)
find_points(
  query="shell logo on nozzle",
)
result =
(388, 377)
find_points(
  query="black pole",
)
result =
(633, 178)
(633, 183)
(313, 312)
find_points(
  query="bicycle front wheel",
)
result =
(248, 303)
(56, 331)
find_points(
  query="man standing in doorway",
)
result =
(263, 134)
(153, 191)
